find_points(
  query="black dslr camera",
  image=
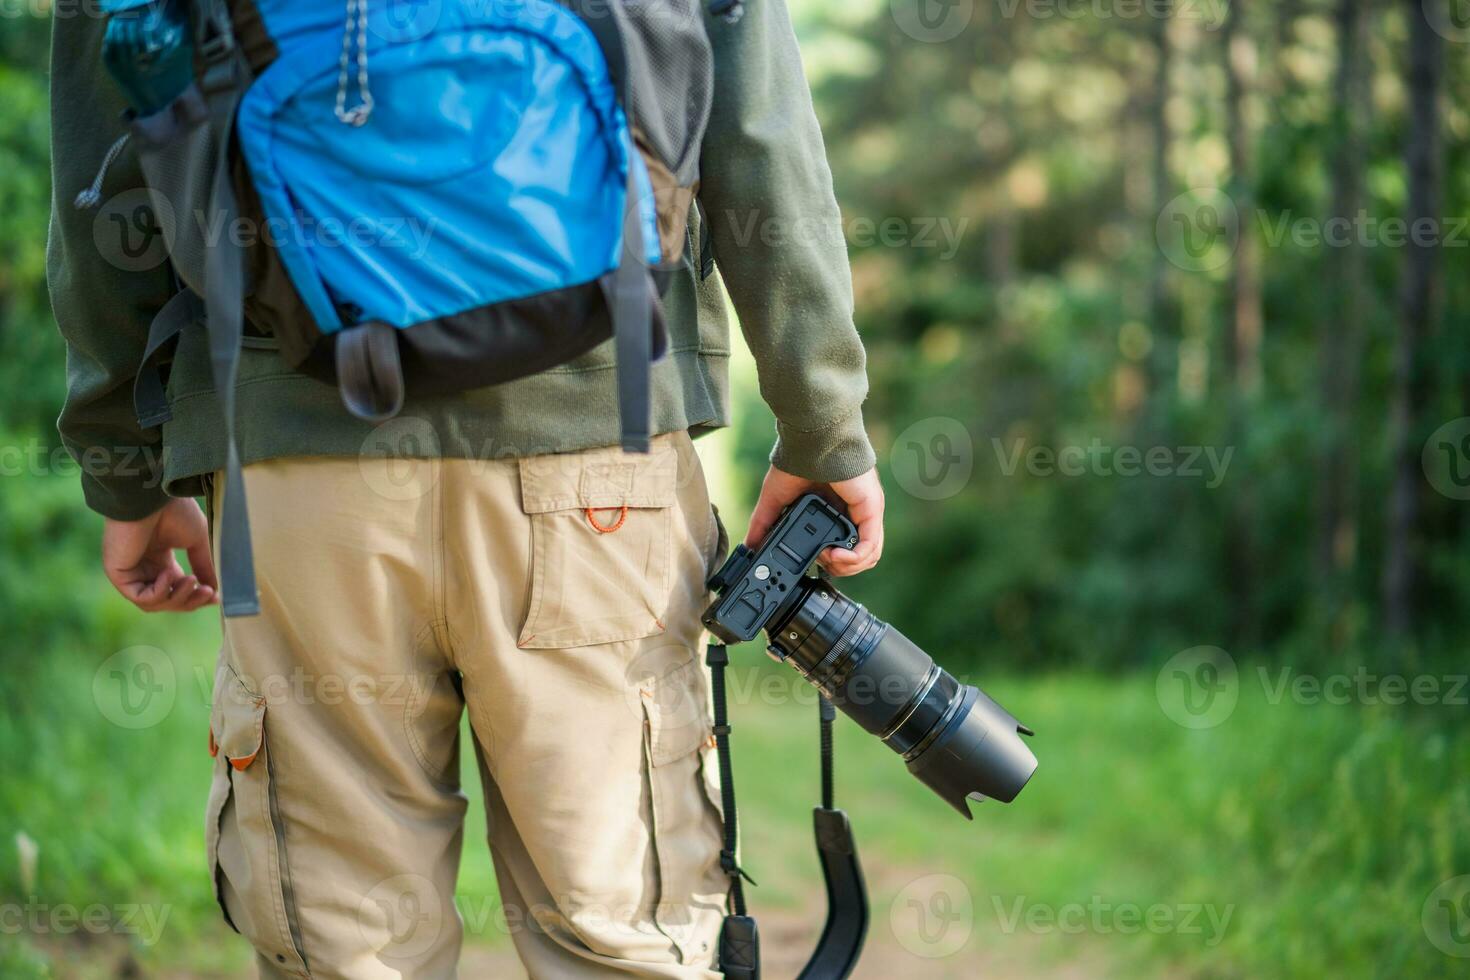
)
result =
(953, 737)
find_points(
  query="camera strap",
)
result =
(846, 929)
(740, 957)
(842, 939)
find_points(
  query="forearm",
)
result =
(767, 194)
(102, 302)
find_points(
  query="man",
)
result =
(515, 565)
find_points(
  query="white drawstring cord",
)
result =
(92, 196)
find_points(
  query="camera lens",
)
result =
(952, 736)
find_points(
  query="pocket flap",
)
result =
(599, 479)
(236, 720)
(678, 719)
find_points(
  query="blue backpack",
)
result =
(435, 195)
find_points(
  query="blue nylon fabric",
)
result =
(491, 168)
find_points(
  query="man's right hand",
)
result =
(139, 559)
(862, 496)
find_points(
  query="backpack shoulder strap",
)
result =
(150, 401)
(223, 80)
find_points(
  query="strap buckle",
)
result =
(732, 868)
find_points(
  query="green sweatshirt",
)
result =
(766, 192)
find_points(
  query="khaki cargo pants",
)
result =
(555, 597)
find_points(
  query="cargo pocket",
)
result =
(245, 838)
(687, 829)
(601, 545)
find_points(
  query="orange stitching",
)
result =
(213, 745)
(602, 529)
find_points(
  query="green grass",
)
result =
(1319, 829)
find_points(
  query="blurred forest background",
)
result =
(1166, 305)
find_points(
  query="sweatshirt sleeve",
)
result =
(103, 302)
(767, 196)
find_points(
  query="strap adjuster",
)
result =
(731, 868)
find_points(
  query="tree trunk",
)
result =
(1418, 291)
(1245, 276)
(1342, 327)
(1160, 311)
(1243, 338)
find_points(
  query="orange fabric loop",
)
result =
(602, 528)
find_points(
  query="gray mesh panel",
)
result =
(671, 76)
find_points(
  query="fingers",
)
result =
(187, 595)
(864, 498)
(762, 519)
(145, 592)
(170, 591)
(844, 561)
(201, 563)
(777, 490)
(138, 558)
